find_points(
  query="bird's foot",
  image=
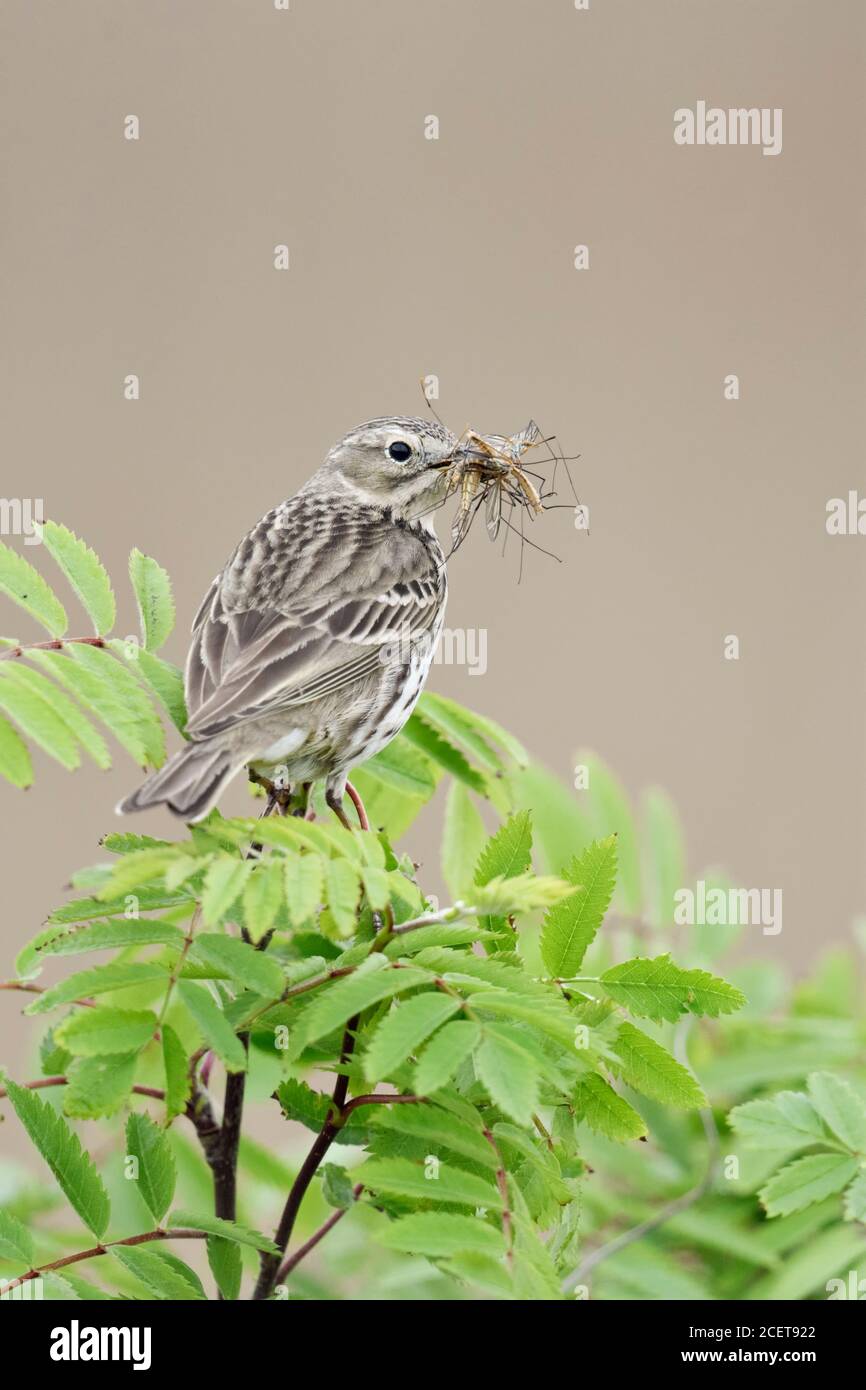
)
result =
(336, 804)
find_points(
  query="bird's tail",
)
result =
(189, 784)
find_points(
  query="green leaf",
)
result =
(785, 1121)
(311, 1108)
(404, 768)
(156, 1273)
(400, 1177)
(377, 887)
(606, 1112)
(36, 718)
(16, 1242)
(85, 572)
(230, 1230)
(103, 936)
(840, 1108)
(239, 962)
(103, 666)
(67, 711)
(99, 980)
(571, 925)
(342, 889)
(26, 587)
(444, 1054)
(435, 1126)
(463, 838)
(97, 693)
(520, 893)
(649, 1068)
(401, 1031)
(154, 597)
(15, 764)
(613, 815)
(508, 852)
(374, 980)
(99, 1031)
(438, 1233)
(304, 886)
(659, 989)
(73, 1169)
(147, 1143)
(473, 731)
(224, 882)
(805, 1181)
(443, 752)
(164, 679)
(337, 1188)
(263, 898)
(215, 1027)
(99, 1086)
(509, 1073)
(224, 1258)
(178, 1085)
(854, 1201)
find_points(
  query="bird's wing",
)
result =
(304, 608)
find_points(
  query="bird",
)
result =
(312, 645)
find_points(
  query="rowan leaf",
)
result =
(100, 1031)
(400, 1177)
(570, 926)
(444, 1054)
(239, 962)
(26, 587)
(84, 571)
(73, 1169)
(439, 1233)
(153, 595)
(403, 1030)
(304, 886)
(509, 1073)
(214, 1026)
(649, 1068)
(659, 989)
(606, 1112)
(229, 1230)
(156, 1178)
(840, 1108)
(806, 1180)
(15, 764)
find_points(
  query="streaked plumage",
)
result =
(311, 647)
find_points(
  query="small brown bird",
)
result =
(312, 646)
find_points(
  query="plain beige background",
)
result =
(455, 257)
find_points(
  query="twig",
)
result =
(502, 1184)
(180, 1234)
(303, 1250)
(44, 1081)
(56, 644)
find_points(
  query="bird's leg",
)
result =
(301, 800)
(335, 801)
(355, 798)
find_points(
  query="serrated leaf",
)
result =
(239, 962)
(508, 852)
(785, 1121)
(311, 1108)
(98, 1086)
(16, 1242)
(224, 882)
(36, 718)
(263, 898)
(400, 1177)
(153, 595)
(442, 751)
(444, 1054)
(73, 1169)
(342, 891)
(606, 1112)
(439, 1233)
(649, 1068)
(97, 693)
(26, 587)
(102, 936)
(304, 886)
(100, 663)
(437, 1127)
(178, 1085)
(403, 767)
(215, 1027)
(571, 925)
(504, 897)
(337, 1188)
(156, 1273)
(840, 1108)
(463, 838)
(377, 887)
(659, 989)
(403, 1030)
(161, 677)
(854, 1201)
(147, 1143)
(509, 1074)
(374, 980)
(805, 1181)
(100, 1031)
(469, 730)
(66, 710)
(230, 1230)
(101, 979)
(85, 572)
(224, 1258)
(15, 764)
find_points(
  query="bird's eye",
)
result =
(400, 451)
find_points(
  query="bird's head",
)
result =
(397, 461)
